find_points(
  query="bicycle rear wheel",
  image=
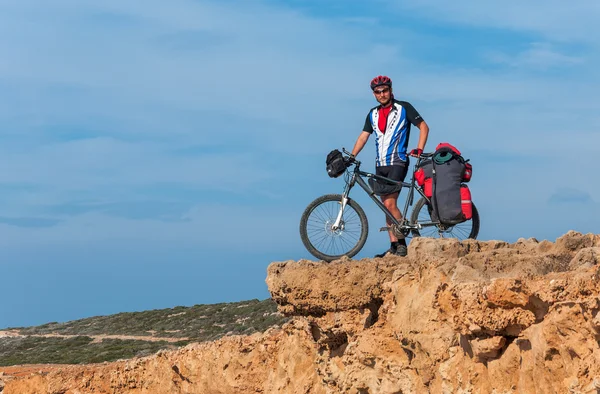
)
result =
(422, 214)
(321, 240)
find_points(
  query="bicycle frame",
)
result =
(356, 177)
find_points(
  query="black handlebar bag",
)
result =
(335, 163)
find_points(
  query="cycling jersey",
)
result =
(392, 142)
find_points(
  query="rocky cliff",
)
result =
(452, 317)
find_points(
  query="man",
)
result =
(391, 121)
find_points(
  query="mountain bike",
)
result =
(334, 225)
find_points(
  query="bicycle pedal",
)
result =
(385, 229)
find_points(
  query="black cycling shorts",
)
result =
(397, 172)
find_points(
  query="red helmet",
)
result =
(381, 80)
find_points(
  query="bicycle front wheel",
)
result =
(321, 240)
(421, 214)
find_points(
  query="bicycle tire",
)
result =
(320, 226)
(474, 231)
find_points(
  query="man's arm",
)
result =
(364, 136)
(360, 142)
(423, 135)
(415, 118)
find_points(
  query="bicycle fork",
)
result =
(338, 220)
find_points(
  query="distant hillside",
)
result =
(126, 335)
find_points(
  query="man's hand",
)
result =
(349, 160)
(416, 152)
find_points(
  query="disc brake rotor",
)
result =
(329, 228)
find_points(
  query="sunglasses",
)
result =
(381, 91)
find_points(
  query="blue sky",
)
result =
(157, 154)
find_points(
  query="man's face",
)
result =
(382, 94)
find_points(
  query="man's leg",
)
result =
(397, 246)
(397, 173)
(391, 203)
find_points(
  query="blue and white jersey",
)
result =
(392, 140)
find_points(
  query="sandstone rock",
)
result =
(586, 258)
(308, 288)
(574, 240)
(453, 317)
(488, 348)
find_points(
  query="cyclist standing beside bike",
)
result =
(391, 121)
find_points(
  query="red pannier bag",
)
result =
(465, 201)
(423, 176)
(468, 172)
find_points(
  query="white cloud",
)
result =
(113, 169)
(212, 226)
(151, 78)
(555, 19)
(539, 56)
(256, 62)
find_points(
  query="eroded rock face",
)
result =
(278, 361)
(453, 317)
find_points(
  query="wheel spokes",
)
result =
(460, 231)
(324, 238)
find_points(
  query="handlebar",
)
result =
(350, 159)
(346, 152)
